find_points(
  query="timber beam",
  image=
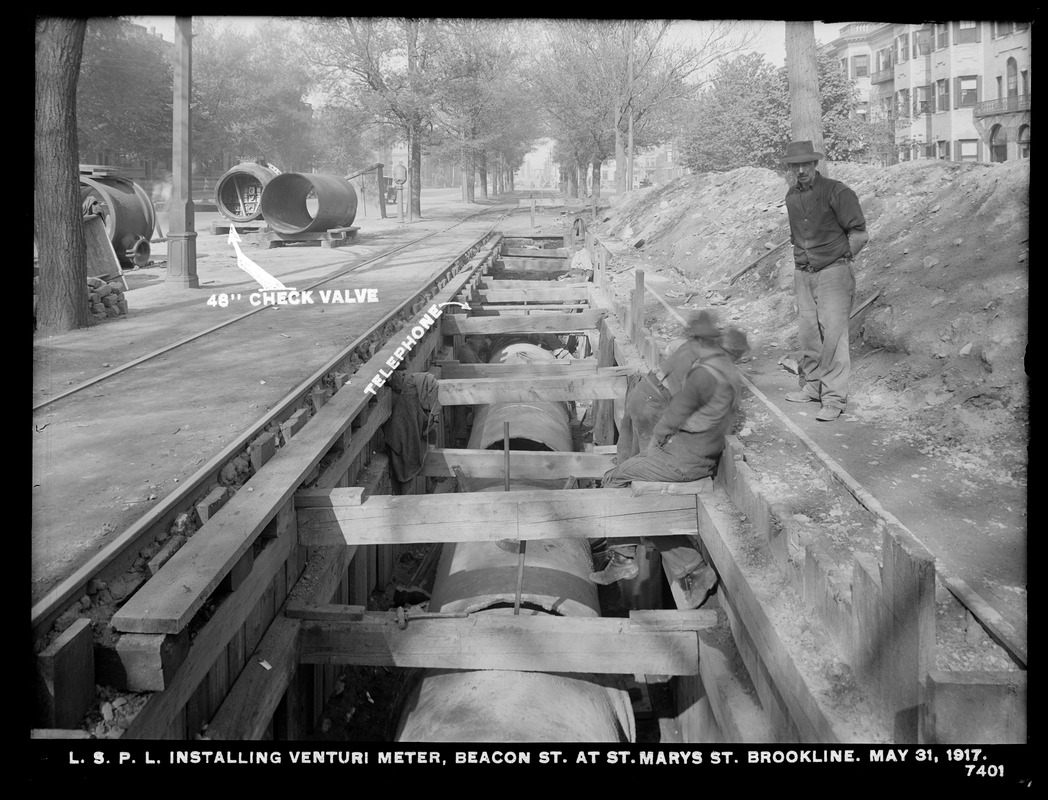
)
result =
(603, 384)
(527, 643)
(441, 463)
(515, 369)
(539, 322)
(335, 517)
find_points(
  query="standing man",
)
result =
(827, 229)
(685, 445)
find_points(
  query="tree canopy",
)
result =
(743, 117)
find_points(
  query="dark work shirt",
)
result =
(697, 391)
(821, 216)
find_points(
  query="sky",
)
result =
(771, 41)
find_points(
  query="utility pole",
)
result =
(629, 161)
(802, 72)
(181, 237)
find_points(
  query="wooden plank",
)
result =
(524, 309)
(224, 628)
(541, 252)
(602, 385)
(538, 643)
(515, 264)
(908, 585)
(539, 322)
(537, 294)
(975, 707)
(604, 410)
(490, 516)
(359, 440)
(739, 716)
(151, 660)
(441, 463)
(173, 595)
(814, 719)
(635, 329)
(491, 283)
(696, 619)
(521, 369)
(247, 711)
(66, 677)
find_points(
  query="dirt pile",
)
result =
(947, 262)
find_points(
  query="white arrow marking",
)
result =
(453, 303)
(264, 279)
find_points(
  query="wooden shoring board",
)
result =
(524, 309)
(494, 283)
(542, 252)
(606, 384)
(171, 598)
(539, 322)
(441, 463)
(513, 264)
(815, 719)
(154, 719)
(537, 294)
(534, 643)
(455, 371)
(491, 516)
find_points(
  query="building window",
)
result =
(922, 104)
(902, 49)
(1013, 78)
(862, 110)
(902, 103)
(942, 150)
(942, 35)
(844, 66)
(884, 59)
(998, 144)
(1024, 141)
(967, 91)
(922, 42)
(860, 66)
(1001, 28)
(942, 95)
(1026, 81)
(967, 149)
(967, 32)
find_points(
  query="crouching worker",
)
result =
(686, 445)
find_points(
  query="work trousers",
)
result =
(676, 461)
(824, 303)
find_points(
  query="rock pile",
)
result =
(106, 299)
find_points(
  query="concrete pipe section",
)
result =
(128, 214)
(295, 203)
(481, 577)
(238, 193)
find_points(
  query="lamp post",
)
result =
(400, 176)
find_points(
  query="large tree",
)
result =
(743, 117)
(124, 92)
(386, 66)
(249, 93)
(57, 221)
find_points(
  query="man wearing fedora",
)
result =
(699, 392)
(827, 229)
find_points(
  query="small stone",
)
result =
(966, 349)
(930, 261)
(107, 711)
(958, 242)
(803, 519)
(936, 207)
(120, 701)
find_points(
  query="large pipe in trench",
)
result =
(481, 577)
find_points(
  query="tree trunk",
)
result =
(58, 219)
(620, 155)
(802, 72)
(596, 179)
(482, 172)
(414, 127)
(573, 184)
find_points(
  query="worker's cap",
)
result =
(801, 153)
(703, 325)
(734, 342)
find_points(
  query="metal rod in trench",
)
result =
(522, 544)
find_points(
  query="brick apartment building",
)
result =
(951, 90)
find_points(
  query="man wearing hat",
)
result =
(705, 388)
(827, 229)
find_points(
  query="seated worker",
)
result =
(686, 445)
